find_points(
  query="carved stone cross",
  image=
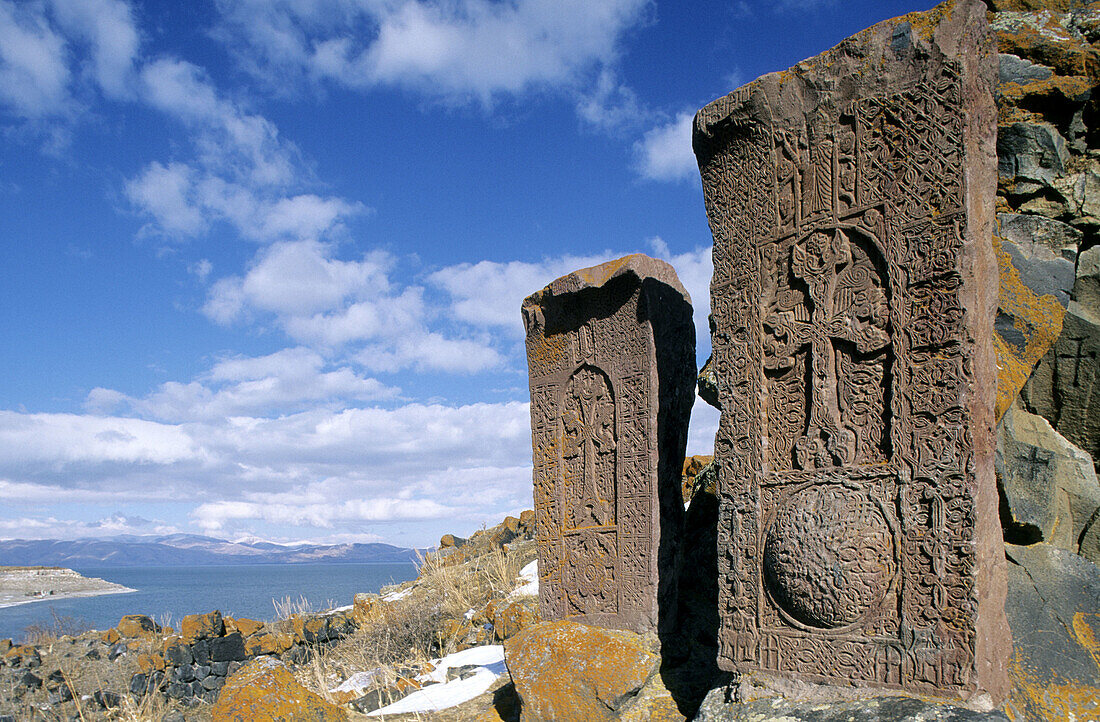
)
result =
(824, 262)
(589, 422)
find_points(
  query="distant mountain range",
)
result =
(187, 550)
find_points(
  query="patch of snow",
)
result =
(529, 575)
(490, 656)
(469, 614)
(345, 608)
(441, 696)
(358, 682)
(394, 596)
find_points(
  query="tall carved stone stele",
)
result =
(851, 201)
(611, 355)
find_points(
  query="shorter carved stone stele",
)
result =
(851, 201)
(611, 356)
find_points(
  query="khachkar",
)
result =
(851, 201)
(611, 355)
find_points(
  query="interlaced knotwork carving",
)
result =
(844, 353)
(612, 370)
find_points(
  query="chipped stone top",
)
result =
(855, 65)
(637, 264)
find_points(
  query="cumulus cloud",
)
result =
(107, 26)
(52, 528)
(321, 468)
(466, 49)
(282, 382)
(489, 294)
(34, 73)
(664, 152)
(323, 301)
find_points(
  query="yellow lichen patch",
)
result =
(1037, 318)
(599, 275)
(1069, 86)
(1034, 695)
(1085, 629)
(563, 670)
(264, 690)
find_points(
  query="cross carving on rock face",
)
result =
(846, 306)
(1077, 356)
(589, 432)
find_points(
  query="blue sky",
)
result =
(263, 259)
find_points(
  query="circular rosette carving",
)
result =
(828, 557)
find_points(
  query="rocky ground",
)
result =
(20, 585)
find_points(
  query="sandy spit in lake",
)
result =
(23, 585)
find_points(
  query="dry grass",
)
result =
(59, 626)
(409, 631)
(472, 585)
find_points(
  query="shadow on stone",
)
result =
(689, 668)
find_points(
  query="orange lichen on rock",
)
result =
(248, 627)
(136, 625)
(1037, 318)
(150, 662)
(264, 690)
(199, 626)
(567, 671)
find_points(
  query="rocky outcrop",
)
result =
(566, 671)
(1049, 489)
(1053, 607)
(264, 690)
(716, 708)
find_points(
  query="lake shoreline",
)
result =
(26, 585)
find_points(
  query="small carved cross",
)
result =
(1037, 460)
(1077, 355)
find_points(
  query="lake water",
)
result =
(237, 591)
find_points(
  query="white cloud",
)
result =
(108, 27)
(286, 381)
(610, 105)
(463, 49)
(165, 192)
(323, 468)
(52, 528)
(34, 72)
(489, 293)
(214, 516)
(65, 440)
(229, 137)
(664, 153)
(429, 351)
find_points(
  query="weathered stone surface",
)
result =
(692, 466)
(716, 708)
(1049, 487)
(1031, 155)
(248, 627)
(1014, 69)
(566, 671)
(1086, 290)
(851, 202)
(201, 626)
(1029, 314)
(610, 351)
(136, 625)
(1064, 388)
(228, 648)
(264, 690)
(1054, 609)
